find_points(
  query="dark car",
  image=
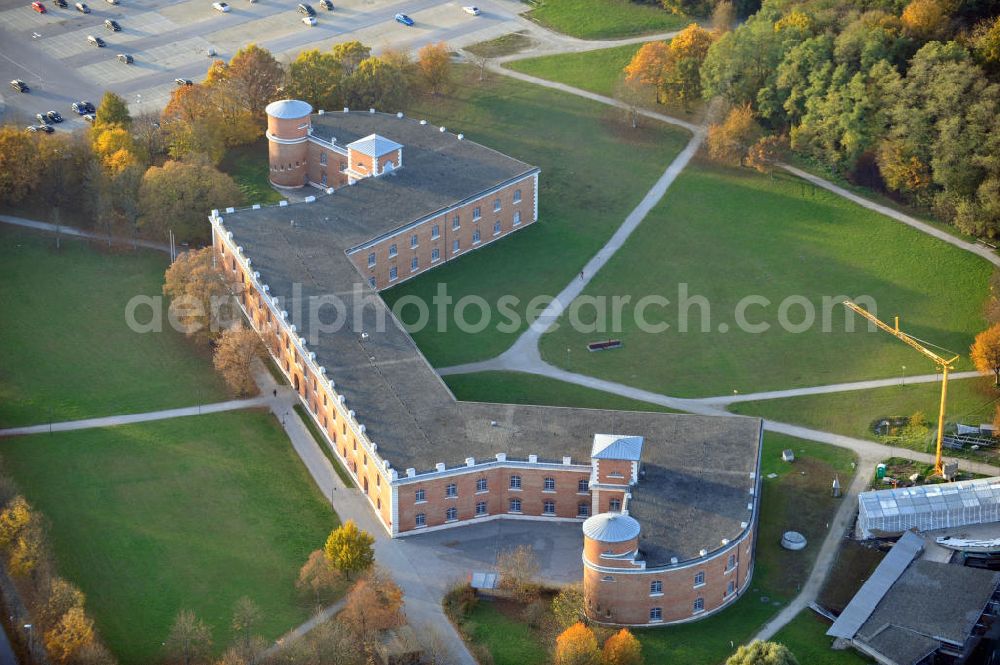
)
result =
(326, 4)
(82, 7)
(42, 118)
(48, 129)
(61, 3)
(306, 9)
(112, 25)
(90, 107)
(96, 41)
(19, 85)
(126, 58)
(183, 81)
(54, 116)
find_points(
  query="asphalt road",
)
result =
(170, 40)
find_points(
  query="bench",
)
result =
(605, 345)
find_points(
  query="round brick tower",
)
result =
(610, 543)
(288, 126)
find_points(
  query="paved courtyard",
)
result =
(170, 40)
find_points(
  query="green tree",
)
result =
(349, 549)
(567, 606)
(177, 196)
(379, 83)
(316, 77)
(112, 111)
(762, 653)
(349, 55)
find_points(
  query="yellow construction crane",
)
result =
(944, 364)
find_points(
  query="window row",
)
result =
(483, 485)
(548, 509)
(549, 484)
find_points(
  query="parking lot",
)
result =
(169, 40)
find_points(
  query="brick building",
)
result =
(397, 197)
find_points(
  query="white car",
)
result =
(220, 7)
(309, 20)
(471, 9)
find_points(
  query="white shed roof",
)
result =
(374, 145)
(611, 527)
(617, 446)
(287, 109)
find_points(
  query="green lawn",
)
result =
(798, 498)
(595, 169)
(65, 349)
(518, 388)
(726, 235)
(597, 71)
(970, 401)
(248, 166)
(184, 513)
(497, 47)
(806, 637)
(604, 19)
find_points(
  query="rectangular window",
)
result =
(496, 228)
(656, 614)
(414, 264)
(656, 586)
(421, 519)
(413, 241)
(515, 506)
(455, 247)
(371, 259)
(615, 505)
(699, 579)
(515, 482)
(371, 282)
(608, 578)
(421, 495)
(476, 214)
(517, 196)
(455, 223)
(322, 158)
(731, 588)
(583, 486)
(451, 514)
(451, 491)
(475, 237)
(435, 255)
(393, 274)
(435, 232)
(699, 605)
(549, 485)
(392, 250)
(517, 217)
(496, 205)
(583, 509)
(481, 508)
(731, 563)
(481, 485)
(549, 508)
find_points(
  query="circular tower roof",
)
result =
(288, 109)
(611, 528)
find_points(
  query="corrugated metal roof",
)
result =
(617, 446)
(374, 145)
(611, 527)
(919, 506)
(875, 587)
(288, 108)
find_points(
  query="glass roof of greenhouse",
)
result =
(924, 499)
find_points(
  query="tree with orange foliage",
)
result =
(434, 64)
(673, 68)
(317, 577)
(373, 605)
(622, 648)
(985, 352)
(925, 19)
(233, 358)
(254, 77)
(577, 646)
(649, 66)
(729, 141)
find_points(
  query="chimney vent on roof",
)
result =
(230, 209)
(399, 114)
(702, 552)
(493, 423)
(347, 110)
(321, 111)
(439, 466)
(423, 122)
(411, 472)
(461, 136)
(442, 130)
(364, 335)
(371, 110)
(470, 461)
(283, 203)
(256, 206)
(291, 222)
(673, 560)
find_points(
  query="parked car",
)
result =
(220, 7)
(42, 118)
(61, 3)
(89, 117)
(306, 9)
(48, 129)
(19, 85)
(90, 107)
(38, 7)
(309, 20)
(82, 7)
(471, 9)
(404, 19)
(326, 4)
(96, 41)
(183, 81)
(112, 25)
(112, 2)
(54, 116)
(126, 58)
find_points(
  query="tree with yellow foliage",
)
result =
(673, 68)
(196, 287)
(434, 64)
(577, 646)
(74, 631)
(349, 549)
(985, 352)
(648, 66)
(729, 141)
(116, 148)
(622, 648)
(925, 19)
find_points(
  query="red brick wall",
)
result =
(335, 164)
(288, 162)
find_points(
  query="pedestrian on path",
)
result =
(581, 274)
(275, 391)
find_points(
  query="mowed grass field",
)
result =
(188, 513)
(604, 19)
(594, 170)
(806, 636)
(970, 401)
(722, 236)
(598, 71)
(65, 349)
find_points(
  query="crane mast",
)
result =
(944, 363)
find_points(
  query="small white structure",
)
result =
(793, 540)
(927, 507)
(787, 455)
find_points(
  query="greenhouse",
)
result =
(927, 507)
